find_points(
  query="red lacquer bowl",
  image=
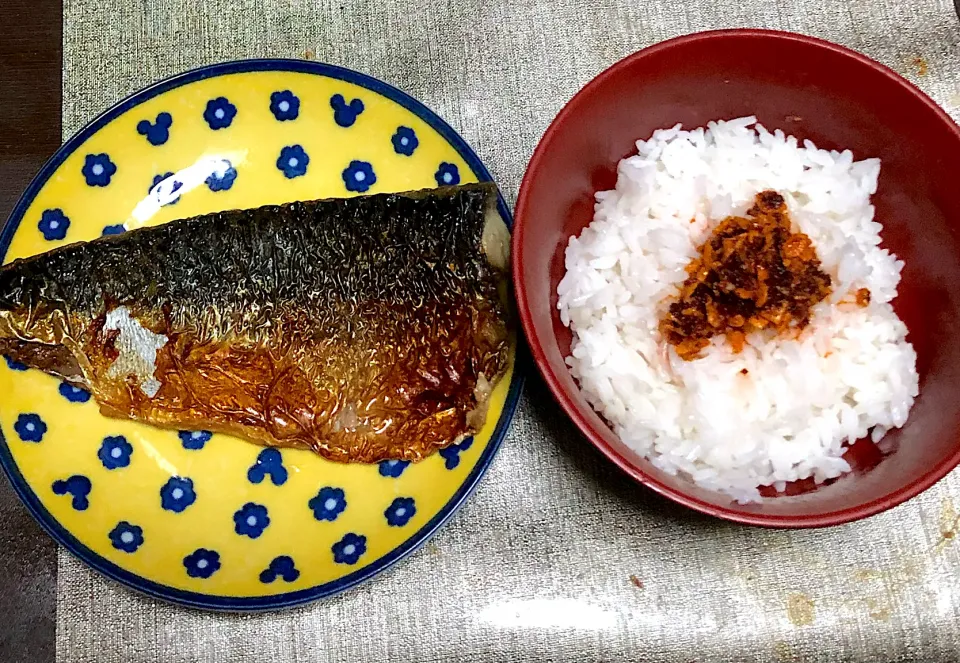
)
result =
(811, 89)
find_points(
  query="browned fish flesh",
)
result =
(364, 329)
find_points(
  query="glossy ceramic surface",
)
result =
(207, 520)
(811, 89)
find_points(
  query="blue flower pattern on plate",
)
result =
(14, 365)
(202, 563)
(126, 537)
(176, 186)
(404, 141)
(115, 452)
(222, 180)
(400, 511)
(393, 468)
(451, 454)
(98, 169)
(345, 114)
(30, 427)
(349, 549)
(293, 161)
(251, 520)
(284, 105)
(74, 394)
(158, 132)
(194, 439)
(113, 229)
(359, 176)
(77, 486)
(53, 224)
(177, 494)
(219, 113)
(269, 463)
(328, 503)
(280, 567)
(447, 174)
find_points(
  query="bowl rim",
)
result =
(826, 519)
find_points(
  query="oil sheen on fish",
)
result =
(365, 329)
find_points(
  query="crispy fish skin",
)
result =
(365, 329)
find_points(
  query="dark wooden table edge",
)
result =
(31, 66)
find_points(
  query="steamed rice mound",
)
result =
(785, 407)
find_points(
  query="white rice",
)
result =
(802, 401)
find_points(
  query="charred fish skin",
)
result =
(365, 328)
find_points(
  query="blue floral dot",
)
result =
(177, 494)
(222, 179)
(74, 394)
(345, 114)
(202, 563)
(115, 452)
(14, 365)
(269, 463)
(157, 132)
(393, 468)
(451, 454)
(349, 549)
(126, 537)
(30, 427)
(251, 520)
(284, 105)
(219, 113)
(447, 174)
(194, 439)
(400, 511)
(98, 169)
(280, 567)
(78, 487)
(114, 229)
(168, 198)
(404, 141)
(328, 503)
(293, 161)
(359, 176)
(53, 224)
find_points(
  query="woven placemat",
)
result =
(557, 556)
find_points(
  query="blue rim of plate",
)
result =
(299, 597)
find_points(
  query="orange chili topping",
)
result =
(751, 274)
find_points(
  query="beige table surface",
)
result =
(538, 564)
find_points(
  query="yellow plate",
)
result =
(212, 521)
